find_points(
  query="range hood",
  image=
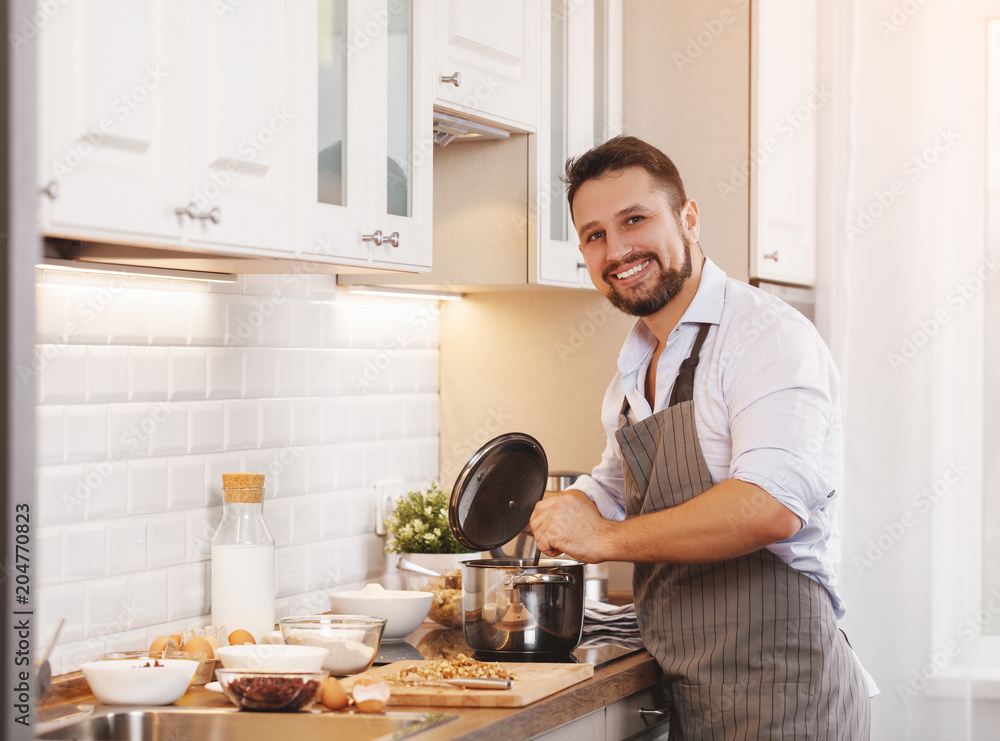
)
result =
(450, 128)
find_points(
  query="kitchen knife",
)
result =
(476, 683)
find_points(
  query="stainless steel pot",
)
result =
(513, 606)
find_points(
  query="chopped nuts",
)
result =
(461, 667)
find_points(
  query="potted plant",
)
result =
(418, 530)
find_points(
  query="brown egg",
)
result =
(239, 637)
(200, 645)
(161, 643)
(333, 694)
(176, 637)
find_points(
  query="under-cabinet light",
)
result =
(405, 293)
(103, 268)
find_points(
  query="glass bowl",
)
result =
(351, 640)
(270, 691)
(206, 666)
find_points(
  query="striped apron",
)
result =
(749, 646)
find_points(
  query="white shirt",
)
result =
(766, 407)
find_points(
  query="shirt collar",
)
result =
(705, 308)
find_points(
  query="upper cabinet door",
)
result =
(785, 98)
(110, 101)
(490, 53)
(240, 65)
(581, 107)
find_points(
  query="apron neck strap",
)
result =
(683, 389)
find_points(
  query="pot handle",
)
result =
(525, 580)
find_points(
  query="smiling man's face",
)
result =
(637, 250)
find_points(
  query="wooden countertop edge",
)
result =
(609, 684)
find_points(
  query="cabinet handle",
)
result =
(375, 238)
(455, 79)
(393, 239)
(658, 712)
(51, 189)
(581, 265)
(771, 256)
(214, 215)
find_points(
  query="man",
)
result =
(720, 480)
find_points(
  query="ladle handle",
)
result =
(403, 565)
(526, 580)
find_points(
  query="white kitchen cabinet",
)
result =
(366, 90)
(619, 721)
(785, 97)
(581, 107)
(488, 60)
(169, 124)
(111, 109)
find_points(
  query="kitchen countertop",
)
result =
(610, 683)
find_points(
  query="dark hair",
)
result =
(616, 155)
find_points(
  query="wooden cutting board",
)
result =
(534, 681)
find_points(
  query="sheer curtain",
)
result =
(904, 265)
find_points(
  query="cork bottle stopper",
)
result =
(243, 487)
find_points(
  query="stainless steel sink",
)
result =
(188, 724)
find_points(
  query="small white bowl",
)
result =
(403, 609)
(272, 658)
(135, 682)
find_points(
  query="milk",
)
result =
(243, 588)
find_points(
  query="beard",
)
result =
(644, 300)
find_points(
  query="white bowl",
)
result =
(133, 682)
(272, 658)
(403, 609)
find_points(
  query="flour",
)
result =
(343, 656)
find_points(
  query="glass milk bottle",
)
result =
(243, 559)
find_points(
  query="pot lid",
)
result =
(497, 490)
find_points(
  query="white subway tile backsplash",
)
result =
(88, 313)
(147, 373)
(60, 494)
(322, 372)
(242, 321)
(62, 377)
(260, 367)
(290, 571)
(107, 374)
(187, 373)
(307, 422)
(104, 487)
(49, 435)
(337, 420)
(206, 427)
(275, 423)
(206, 319)
(241, 424)
(188, 591)
(293, 373)
(186, 483)
(168, 318)
(128, 318)
(277, 322)
(150, 391)
(85, 433)
(128, 430)
(168, 428)
(306, 518)
(166, 539)
(84, 551)
(225, 373)
(126, 539)
(67, 602)
(147, 486)
(307, 323)
(201, 527)
(147, 591)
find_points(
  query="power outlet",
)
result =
(386, 495)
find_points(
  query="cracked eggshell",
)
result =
(370, 695)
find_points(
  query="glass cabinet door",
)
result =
(331, 96)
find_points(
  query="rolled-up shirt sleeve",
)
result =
(783, 401)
